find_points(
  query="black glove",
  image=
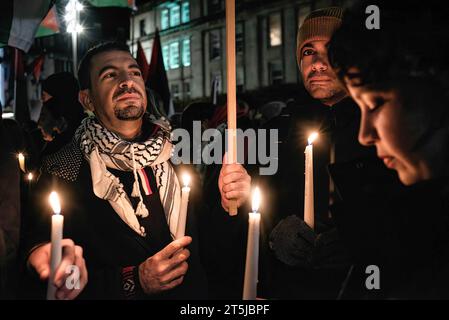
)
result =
(293, 242)
(297, 245)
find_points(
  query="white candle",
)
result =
(21, 161)
(181, 228)
(252, 250)
(309, 211)
(57, 222)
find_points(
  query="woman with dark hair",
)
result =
(399, 76)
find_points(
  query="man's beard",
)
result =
(322, 93)
(129, 113)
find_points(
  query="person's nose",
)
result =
(319, 62)
(126, 80)
(367, 133)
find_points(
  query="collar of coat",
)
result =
(65, 163)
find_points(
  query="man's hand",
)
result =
(234, 183)
(166, 269)
(72, 255)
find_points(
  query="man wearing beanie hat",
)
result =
(305, 262)
(311, 53)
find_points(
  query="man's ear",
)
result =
(84, 99)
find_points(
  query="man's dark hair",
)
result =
(411, 44)
(85, 64)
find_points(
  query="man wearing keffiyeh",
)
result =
(122, 194)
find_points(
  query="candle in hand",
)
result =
(57, 222)
(252, 250)
(21, 161)
(181, 228)
(308, 185)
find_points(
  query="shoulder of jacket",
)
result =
(65, 163)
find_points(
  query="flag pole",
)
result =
(16, 70)
(231, 90)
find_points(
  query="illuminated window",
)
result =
(175, 16)
(186, 52)
(185, 11)
(174, 55)
(164, 19)
(165, 54)
(275, 29)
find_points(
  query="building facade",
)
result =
(193, 39)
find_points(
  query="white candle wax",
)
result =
(252, 251)
(309, 211)
(185, 191)
(57, 223)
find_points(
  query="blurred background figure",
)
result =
(11, 142)
(61, 112)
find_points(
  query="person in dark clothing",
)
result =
(61, 112)
(310, 263)
(122, 193)
(12, 216)
(11, 144)
(398, 75)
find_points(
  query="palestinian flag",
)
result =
(142, 61)
(49, 25)
(113, 3)
(19, 21)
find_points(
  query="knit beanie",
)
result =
(318, 25)
(61, 84)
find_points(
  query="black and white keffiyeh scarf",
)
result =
(104, 149)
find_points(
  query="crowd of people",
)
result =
(376, 95)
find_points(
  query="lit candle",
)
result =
(181, 228)
(21, 161)
(57, 222)
(231, 91)
(252, 250)
(30, 176)
(308, 185)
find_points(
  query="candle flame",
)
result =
(30, 176)
(21, 157)
(54, 202)
(186, 179)
(312, 137)
(256, 199)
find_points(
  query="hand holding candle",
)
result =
(181, 228)
(252, 250)
(309, 210)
